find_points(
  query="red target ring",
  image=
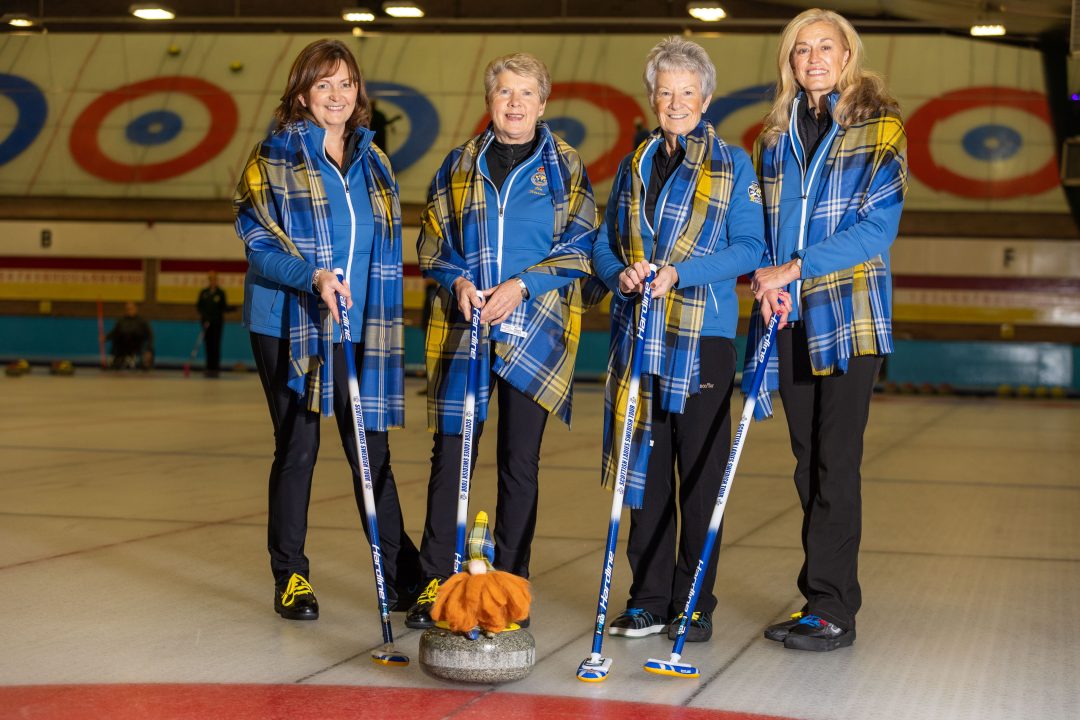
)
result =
(84, 146)
(921, 125)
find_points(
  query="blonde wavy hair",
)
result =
(862, 92)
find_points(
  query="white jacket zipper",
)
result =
(807, 182)
(352, 227)
(502, 205)
(644, 193)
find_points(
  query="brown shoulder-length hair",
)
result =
(862, 92)
(318, 60)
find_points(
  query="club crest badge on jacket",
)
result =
(539, 181)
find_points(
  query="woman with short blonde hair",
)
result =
(508, 229)
(523, 65)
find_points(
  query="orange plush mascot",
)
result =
(481, 596)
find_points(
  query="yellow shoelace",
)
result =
(428, 596)
(298, 585)
(694, 617)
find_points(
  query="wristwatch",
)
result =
(524, 289)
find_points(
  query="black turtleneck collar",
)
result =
(663, 165)
(352, 140)
(813, 125)
(504, 157)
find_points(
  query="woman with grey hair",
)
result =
(688, 203)
(508, 229)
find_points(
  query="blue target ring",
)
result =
(569, 129)
(721, 107)
(32, 107)
(992, 142)
(423, 121)
(156, 127)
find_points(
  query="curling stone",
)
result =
(61, 367)
(17, 368)
(491, 658)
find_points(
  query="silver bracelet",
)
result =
(315, 281)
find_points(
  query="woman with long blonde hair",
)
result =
(832, 162)
(861, 92)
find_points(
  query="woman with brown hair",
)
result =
(832, 161)
(316, 194)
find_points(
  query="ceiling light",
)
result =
(357, 15)
(19, 21)
(995, 30)
(151, 11)
(706, 11)
(402, 9)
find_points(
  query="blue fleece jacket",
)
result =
(526, 210)
(520, 227)
(353, 234)
(866, 239)
(739, 250)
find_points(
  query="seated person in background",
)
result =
(132, 340)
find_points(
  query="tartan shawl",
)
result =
(454, 236)
(281, 206)
(690, 226)
(847, 313)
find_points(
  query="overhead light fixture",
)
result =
(706, 11)
(151, 11)
(19, 21)
(988, 30)
(402, 9)
(357, 15)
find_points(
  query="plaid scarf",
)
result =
(281, 206)
(847, 313)
(690, 226)
(455, 236)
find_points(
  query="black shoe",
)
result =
(296, 599)
(419, 615)
(813, 633)
(403, 598)
(699, 629)
(636, 622)
(780, 630)
(523, 623)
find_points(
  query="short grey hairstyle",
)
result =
(676, 53)
(520, 63)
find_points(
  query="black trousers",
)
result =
(212, 337)
(826, 418)
(662, 556)
(520, 431)
(296, 448)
